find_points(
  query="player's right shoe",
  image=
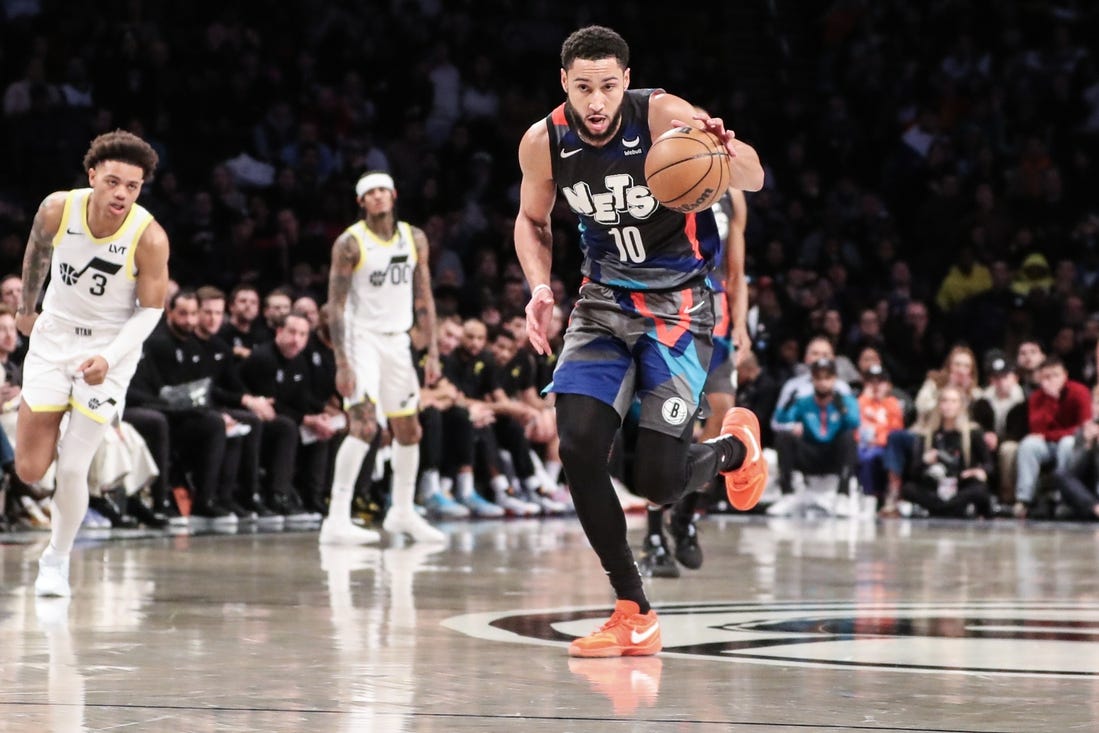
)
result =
(745, 485)
(628, 633)
(336, 532)
(53, 575)
(687, 550)
(655, 560)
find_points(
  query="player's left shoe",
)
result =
(403, 521)
(628, 633)
(53, 575)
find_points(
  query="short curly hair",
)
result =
(592, 43)
(122, 146)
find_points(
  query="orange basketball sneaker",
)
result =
(745, 485)
(628, 633)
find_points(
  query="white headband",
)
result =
(374, 180)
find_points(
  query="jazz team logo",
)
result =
(1013, 638)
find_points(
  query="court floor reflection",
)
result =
(790, 624)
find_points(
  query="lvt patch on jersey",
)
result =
(1010, 638)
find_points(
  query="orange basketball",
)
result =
(687, 169)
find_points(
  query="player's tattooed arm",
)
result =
(423, 301)
(36, 259)
(345, 257)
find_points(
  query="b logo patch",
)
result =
(675, 411)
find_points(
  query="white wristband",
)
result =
(539, 287)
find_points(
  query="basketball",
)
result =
(687, 169)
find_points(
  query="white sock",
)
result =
(446, 483)
(349, 461)
(429, 483)
(532, 483)
(553, 471)
(500, 485)
(405, 461)
(464, 483)
(70, 499)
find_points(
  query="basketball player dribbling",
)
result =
(644, 320)
(108, 264)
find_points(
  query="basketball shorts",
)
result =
(384, 373)
(50, 379)
(720, 377)
(655, 345)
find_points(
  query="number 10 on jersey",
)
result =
(630, 246)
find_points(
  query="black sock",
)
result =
(656, 520)
(684, 513)
(730, 453)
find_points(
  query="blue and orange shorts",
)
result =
(655, 345)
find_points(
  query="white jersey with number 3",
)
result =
(93, 279)
(380, 299)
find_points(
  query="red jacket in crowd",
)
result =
(1056, 417)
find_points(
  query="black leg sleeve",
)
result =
(667, 467)
(587, 428)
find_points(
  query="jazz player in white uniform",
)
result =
(379, 280)
(108, 264)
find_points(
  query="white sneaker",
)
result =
(412, 524)
(515, 506)
(548, 504)
(53, 575)
(786, 506)
(346, 533)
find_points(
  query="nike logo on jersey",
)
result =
(692, 309)
(632, 143)
(70, 231)
(569, 153)
(636, 638)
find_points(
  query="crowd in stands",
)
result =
(923, 258)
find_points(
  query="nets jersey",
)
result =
(380, 299)
(628, 239)
(94, 277)
(722, 211)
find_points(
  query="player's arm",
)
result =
(151, 285)
(423, 303)
(533, 237)
(345, 258)
(667, 111)
(36, 258)
(736, 289)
